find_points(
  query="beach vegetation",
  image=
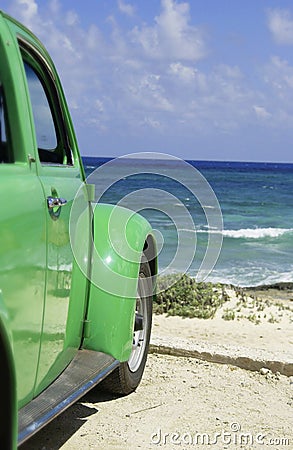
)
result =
(181, 295)
(272, 319)
(228, 314)
(252, 317)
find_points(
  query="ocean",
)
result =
(196, 207)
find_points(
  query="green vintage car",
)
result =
(76, 277)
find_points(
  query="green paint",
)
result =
(68, 275)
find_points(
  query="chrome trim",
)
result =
(55, 202)
(31, 48)
(37, 420)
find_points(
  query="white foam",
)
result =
(247, 233)
(256, 233)
(239, 279)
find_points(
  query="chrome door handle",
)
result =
(54, 202)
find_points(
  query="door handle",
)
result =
(54, 202)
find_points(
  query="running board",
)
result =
(86, 370)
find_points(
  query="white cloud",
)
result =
(148, 92)
(71, 18)
(132, 88)
(99, 105)
(93, 38)
(149, 122)
(279, 76)
(116, 89)
(280, 23)
(185, 73)
(171, 36)
(261, 112)
(28, 10)
(126, 8)
(227, 71)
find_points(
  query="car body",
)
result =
(72, 307)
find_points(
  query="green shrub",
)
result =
(187, 298)
(228, 314)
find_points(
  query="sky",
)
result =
(198, 79)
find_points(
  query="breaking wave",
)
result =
(247, 233)
(256, 233)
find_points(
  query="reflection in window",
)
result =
(44, 124)
(5, 149)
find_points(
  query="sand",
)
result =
(257, 324)
(189, 403)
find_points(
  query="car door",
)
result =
(61, 177)
(22, 233)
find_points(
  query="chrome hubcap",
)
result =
(139, 336)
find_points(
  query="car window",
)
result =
(44, 123)
(51, 134)
(50, 146)
(5, 148)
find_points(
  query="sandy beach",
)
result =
(192, 403)
(259, 318)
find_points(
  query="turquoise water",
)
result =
(256, 204)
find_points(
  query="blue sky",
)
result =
(198, 79)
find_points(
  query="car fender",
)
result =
(119, 238)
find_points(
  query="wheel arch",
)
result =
(113, 285)
(150, 251)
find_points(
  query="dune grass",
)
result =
(187, 298)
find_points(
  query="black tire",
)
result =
(127, 376)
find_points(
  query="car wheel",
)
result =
(127, 376)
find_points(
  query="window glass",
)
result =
(5, 150)
(2, 120)
(51, 131)
(44, 123)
